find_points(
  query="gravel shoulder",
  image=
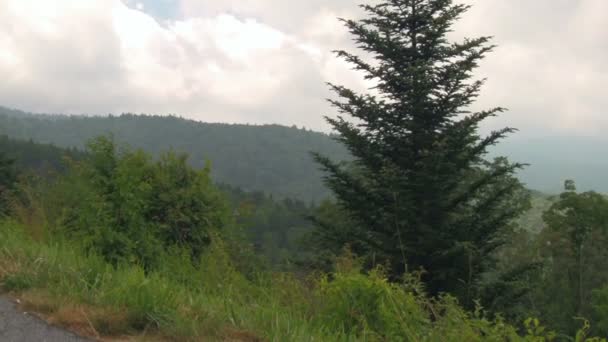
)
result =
(19, 326)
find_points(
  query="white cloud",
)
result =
(58, 54)
(262, 61)
(548, 67)
(98, 57)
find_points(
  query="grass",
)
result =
(182, 302)
(214, 302)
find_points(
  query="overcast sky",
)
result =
(267, 61)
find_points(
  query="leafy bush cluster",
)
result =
(128, 207)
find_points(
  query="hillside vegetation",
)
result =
(276, 159)
(272, 158)
(76, 253)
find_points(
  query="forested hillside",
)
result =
(272, 158)
(41, 159)
(275, 159)
(86, 223)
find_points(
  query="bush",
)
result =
(129, 208)
(370, 306)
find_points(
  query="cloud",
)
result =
(290, 16)
(99, 57)
(50, 65)
(267, 61)
(548, 67)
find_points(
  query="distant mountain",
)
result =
(270, 158)
(276, 159)
(557, 158)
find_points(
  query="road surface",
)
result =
(17, 326)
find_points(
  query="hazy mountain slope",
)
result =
(271, 158)
(276, 159)
(557, 158)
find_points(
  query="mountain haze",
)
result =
(270, 158)
(553, 159)
(276, 159)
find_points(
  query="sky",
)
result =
(268, 61)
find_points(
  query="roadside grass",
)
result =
(180, 302)
(210, 300)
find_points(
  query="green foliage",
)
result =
(600, 309)
(536, 332)
(372, 308)
(577, 216)
(275, 227)
(210, 300)
(38, 159)
(8, 178)
(368, 305)
(419, 192)
(568, 262)
(130, 208)
(573, 245)
(332, 228)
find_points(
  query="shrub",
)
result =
(130, 208)
(368, 305)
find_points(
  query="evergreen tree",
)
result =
(419, 189)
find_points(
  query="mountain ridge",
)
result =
(276, 158)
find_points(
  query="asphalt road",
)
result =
(17, 326)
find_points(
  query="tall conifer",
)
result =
(419, 189)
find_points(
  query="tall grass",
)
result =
(210, 300)
(183, 301)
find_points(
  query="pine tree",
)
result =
(419, 189)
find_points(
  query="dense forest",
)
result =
(404, 225)
(43, 160)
